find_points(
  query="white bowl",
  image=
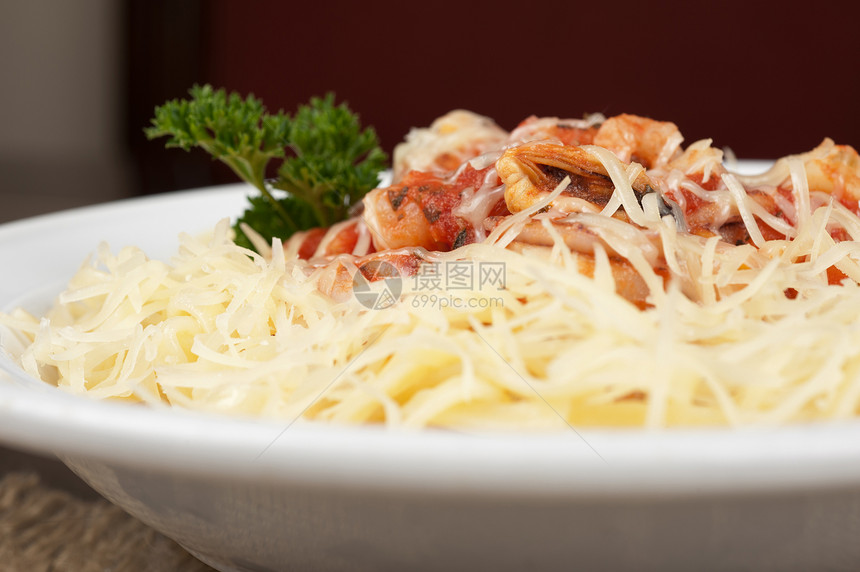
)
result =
(245, 494)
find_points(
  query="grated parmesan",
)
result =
(732, 334)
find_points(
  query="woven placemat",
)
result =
(46, 529)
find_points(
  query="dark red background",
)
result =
(763, 79)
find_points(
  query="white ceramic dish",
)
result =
(250, 495)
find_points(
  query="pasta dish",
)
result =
(583, 272)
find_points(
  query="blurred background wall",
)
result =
(81, 79)
(61, 125)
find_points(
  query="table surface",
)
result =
(39, 499)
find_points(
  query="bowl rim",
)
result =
(583, 463)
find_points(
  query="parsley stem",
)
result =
(256, 177)
(277, 206)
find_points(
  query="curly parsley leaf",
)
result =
(328, 161)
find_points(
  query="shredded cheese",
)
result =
(731, 334)
(221, 330)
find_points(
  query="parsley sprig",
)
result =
(327, 161)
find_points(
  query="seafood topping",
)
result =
(608, 184)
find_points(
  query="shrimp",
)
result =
(348, 237)
(422, 209)
(448, 142)
(337, 277)
(565, 131)
(700, 162)
(835, 170)
(830, 168)
(628, 283)
(645, 141)
(695, 180)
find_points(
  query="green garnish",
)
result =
(328, 162)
